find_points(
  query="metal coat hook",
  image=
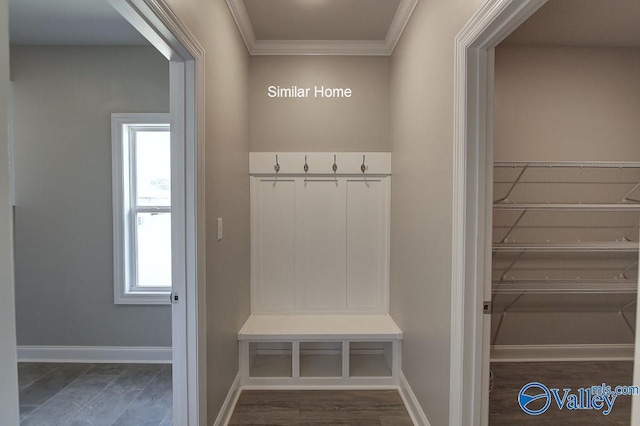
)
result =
(364, 166)
(306, 166)
(277, 166)
(335, 166)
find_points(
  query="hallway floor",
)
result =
(95, 394)
(509, 378)
(320, 407)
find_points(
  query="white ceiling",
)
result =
(596, 23)
(348, 27)
(69, 22)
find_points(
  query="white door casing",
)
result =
(156, 21)
(471, 239)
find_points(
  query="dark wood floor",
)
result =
(95, 394)
(363, 408)
(509, 378)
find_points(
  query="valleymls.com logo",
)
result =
(535, 398)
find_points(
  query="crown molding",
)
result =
(322, 47)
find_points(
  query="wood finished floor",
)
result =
(509, 378)
(362, 408)
(95, 394)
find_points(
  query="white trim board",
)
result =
(542, 353)
(229, 404)
(96, 354)
(411, 403)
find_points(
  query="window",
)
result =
(141, 150)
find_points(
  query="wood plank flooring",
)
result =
(95, 394)
(320, 407)
(137, 394)
(509, 378)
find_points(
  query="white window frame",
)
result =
(123, 189)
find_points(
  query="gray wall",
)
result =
(560, 103)
(567, 103)
(422, 72)
(226, 103)
(358, 123)
(8, 367)
(63, 99)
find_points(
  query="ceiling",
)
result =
(370, 27)
(596, 23)
(73, 22)
(348, 27)
(321, 20)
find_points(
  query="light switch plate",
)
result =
(220, 229)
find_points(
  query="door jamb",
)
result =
(471, 209)
(155, 20)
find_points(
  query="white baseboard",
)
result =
(97, 354)
(533, 353)
(229, 403)
(411, 402)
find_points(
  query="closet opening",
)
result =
(556, 210)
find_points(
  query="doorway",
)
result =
(472, 204)
(162, 28)
(169, 38)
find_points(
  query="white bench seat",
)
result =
(327, 350)
(319, 327)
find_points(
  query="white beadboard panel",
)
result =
(322, 206)
(274, 243)
(320, 241)
(320, 163)
(367, 239)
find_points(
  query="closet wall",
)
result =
(358, 123)
(567, 103)
(563, 104)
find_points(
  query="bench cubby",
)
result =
(320, 351)
(371, 359)
(270, 359)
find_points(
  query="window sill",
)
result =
(139, 298)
